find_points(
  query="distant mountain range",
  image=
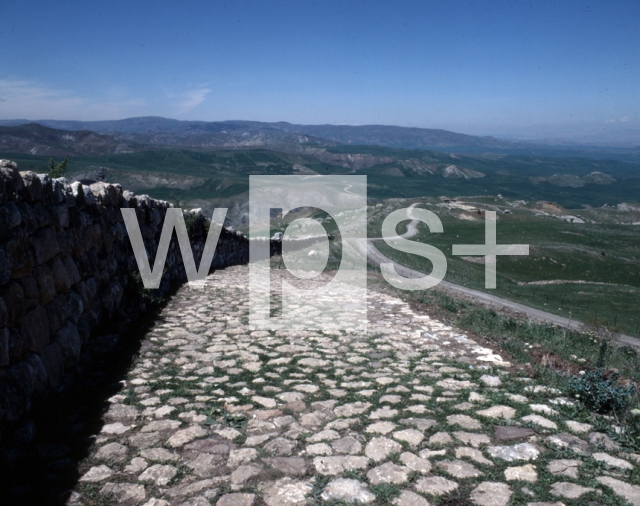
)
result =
(166, 132)
(77, 138)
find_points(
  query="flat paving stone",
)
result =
(569, 490)
(348, 490)
(435, 485)
(491, 493)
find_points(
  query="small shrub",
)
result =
(600, 394)
(56, 171)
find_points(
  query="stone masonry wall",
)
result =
(67, 268)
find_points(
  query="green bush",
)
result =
(600, 394)
(56, 171)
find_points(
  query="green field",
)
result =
(213, 175)
(603, 256)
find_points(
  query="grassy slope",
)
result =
(558, 251)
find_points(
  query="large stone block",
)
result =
(41, 214)
(77, 190)
(70, 344)
(61, 278)
(28, 216)
(47, 188)
(46, 283)
(58, 190)
(32, 191)
(63, 241)
(57, 313)
(45, 245)
(76, 307)
(18, 253)
(30, 287)
(4, 313)
(72, 269)
(51, 358)
(5, 272)
(36, 328)
(10, 181)
(59, 216)
(14, 300)
(10, 218)
(4, 347)
(18, 344)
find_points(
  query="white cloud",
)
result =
(29, 99)
(624, 119)
(190, 99)
(608, 121)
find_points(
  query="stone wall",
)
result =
(67, 270)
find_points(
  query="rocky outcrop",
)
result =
(67, 269)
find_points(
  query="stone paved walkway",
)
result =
(412, 413)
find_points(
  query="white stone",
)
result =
(522, 451)
(347, 490)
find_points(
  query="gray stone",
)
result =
(491, 381)
(347, 490)
(126, 494)
(569, 490)
(285, 492)
(631, 493)
(295, 466)
(464, 421)
(510, 432)
(158, 474)
(475, 440)
(379, 448)
(565, 467)
(473, 454)
(415, 463)
(337, 465)
(612, 461)
(574, 443)
(505, 412)
(185, 436)
(388, 473)
(435, 485)
(159, 454)
(408, 498)
(281, 447)
(347, 445)
(236, 499)
(411, 436)
(245, 473)
(112, 452)
(459, 469)
(491, 493)
(541, 421)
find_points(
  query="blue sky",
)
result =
(497, 67)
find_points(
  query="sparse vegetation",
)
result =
(57, 170)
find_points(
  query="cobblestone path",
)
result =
(412, 413)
